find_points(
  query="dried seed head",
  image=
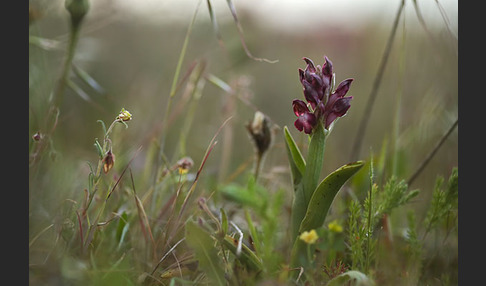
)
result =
(108, 161)
(259, 130)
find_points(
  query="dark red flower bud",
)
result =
(338, 109)
(306, 120)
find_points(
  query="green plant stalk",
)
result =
(61, 87)
(173, 88)
(165, 120)
(97, 175)
(58, 94)
(369, 226)
(314, 161)
(304, 190)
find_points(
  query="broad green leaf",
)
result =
(296, 161)
(207, 255)
(324, 195)
(353, 277)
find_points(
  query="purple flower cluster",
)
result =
(326, 105)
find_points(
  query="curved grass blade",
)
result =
(85, 77)
(240, 34)
(215, 25)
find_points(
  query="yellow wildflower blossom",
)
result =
(124, 115)
(309, 237)
(335, 226)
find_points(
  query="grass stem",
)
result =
(432, 153)
(355, 152)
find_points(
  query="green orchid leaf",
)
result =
(297, 162)
(323, 196)
(207, 255)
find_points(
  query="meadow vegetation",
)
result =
(166, 154)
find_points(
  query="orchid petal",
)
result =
(300, 107)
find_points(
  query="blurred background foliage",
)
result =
(131, 52)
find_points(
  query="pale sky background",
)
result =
(289, 14)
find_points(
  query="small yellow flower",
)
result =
(124, 115)
(309, 237)
(335, 226)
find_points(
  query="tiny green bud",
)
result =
(78, 9)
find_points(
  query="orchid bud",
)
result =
(78, 9)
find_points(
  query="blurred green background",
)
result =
(131, 48)
(132, 54)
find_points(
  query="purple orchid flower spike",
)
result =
(326, 105)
